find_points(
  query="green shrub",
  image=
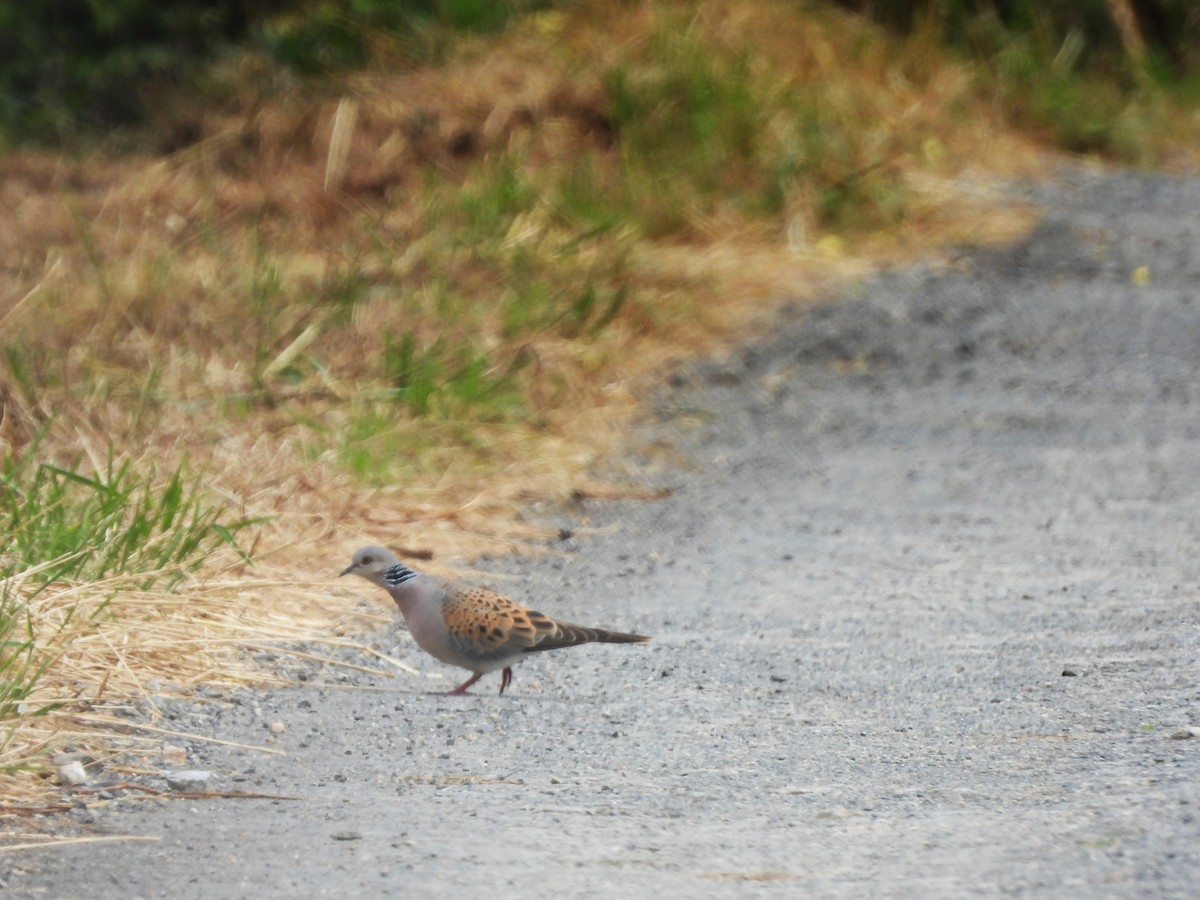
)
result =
(1170, 28)
(67, 66)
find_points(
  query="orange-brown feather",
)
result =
(485, 623)
(491, 626)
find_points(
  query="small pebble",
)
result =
(188, 779)
(83, 816)
(71, 773)
(277, 728)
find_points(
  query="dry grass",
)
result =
(229, 303)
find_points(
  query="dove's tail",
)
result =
(568, 635)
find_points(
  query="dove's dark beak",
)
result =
(346, 571)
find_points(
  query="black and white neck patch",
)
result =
(398, 575)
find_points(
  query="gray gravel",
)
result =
(926, 618)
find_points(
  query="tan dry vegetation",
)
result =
(129, 286)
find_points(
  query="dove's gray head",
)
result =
(378, 564)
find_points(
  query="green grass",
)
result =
(703, 127)
(442, 399)
(505, 263)
(59, 523)
(335, 34)
(521, 250)
(438, 379)
(20, 666)
(1046, 87)
(266, 302)
(381, 447)
(1062, 73)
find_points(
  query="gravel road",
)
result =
(926, 608)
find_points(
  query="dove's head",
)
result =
(380, 566)
(371, 563)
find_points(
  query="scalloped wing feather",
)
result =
(487, 626)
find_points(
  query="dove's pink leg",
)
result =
(505, 678)
(462, 688)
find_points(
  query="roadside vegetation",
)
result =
(356, 272)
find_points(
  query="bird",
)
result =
(471, 627)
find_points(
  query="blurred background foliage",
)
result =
(69, 68)
(1165, 29)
